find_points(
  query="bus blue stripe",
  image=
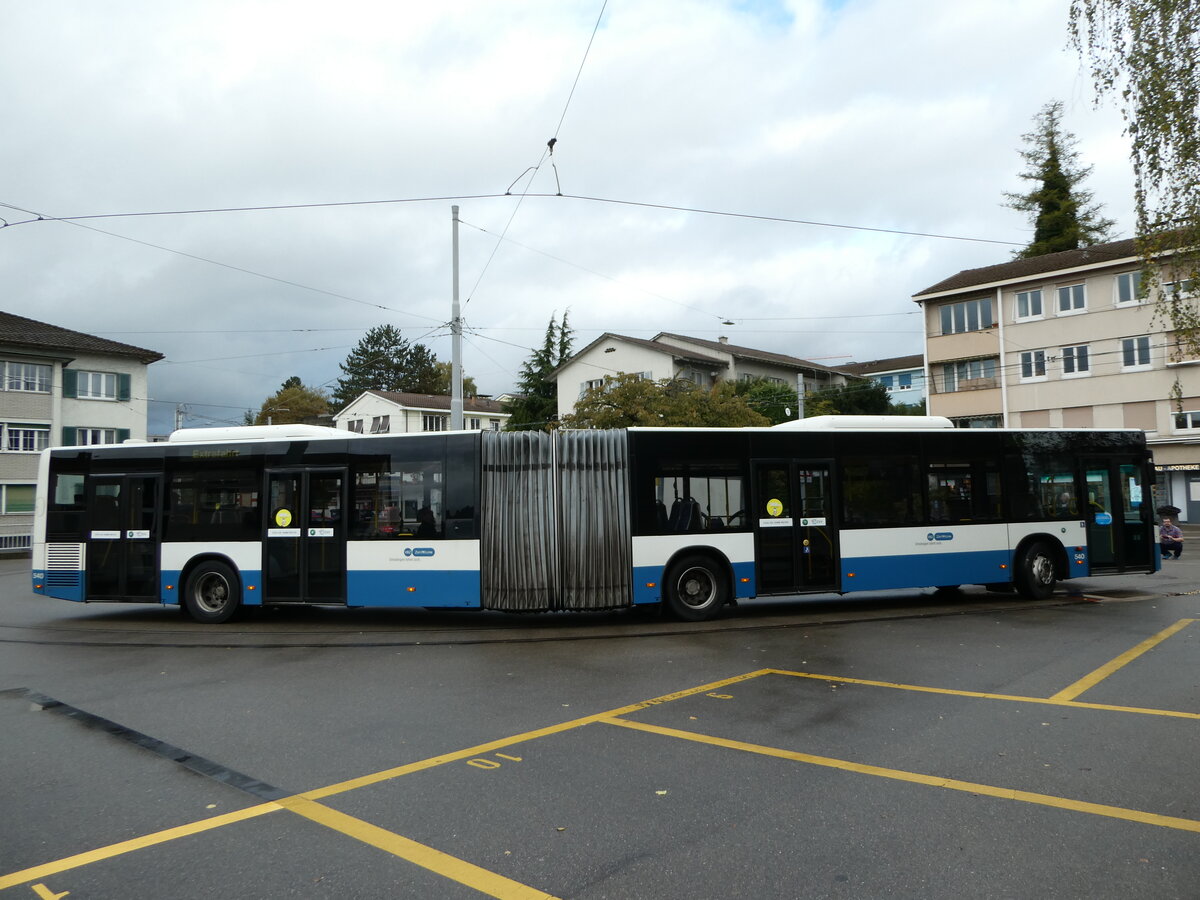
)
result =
(878, 573)
(447, 588)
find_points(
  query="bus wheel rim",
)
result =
(696, 587)
(212, 593)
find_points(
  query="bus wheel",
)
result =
(1035, 575)
(213, 593)
(695, 589)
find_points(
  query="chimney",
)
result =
(723, 339)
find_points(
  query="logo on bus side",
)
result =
(940, 536)
(418, 551)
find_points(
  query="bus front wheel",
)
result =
(1036, 574)
(695, 589)
(213, 593)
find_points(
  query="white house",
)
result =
(670, 356)
(393, 412)
(62, 388)
(903, 376)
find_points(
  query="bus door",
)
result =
(794, 529)
(122, 537)
(304, 547)
(1118, 515)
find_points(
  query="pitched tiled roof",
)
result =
(1018, 269)
(439, 401)
(17, 331)
(916, 361)
(780, 359)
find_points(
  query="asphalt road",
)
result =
(905, 745)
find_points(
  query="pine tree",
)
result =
(536, 407)
(384, 361)
(1065, 216)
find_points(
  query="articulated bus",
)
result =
(694, 519)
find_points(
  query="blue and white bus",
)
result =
(694, 519)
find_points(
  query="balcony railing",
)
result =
(965, 384)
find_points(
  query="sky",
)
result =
(253, 185)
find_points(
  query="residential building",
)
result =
(393, 412)
(671, 356)
(903, 376)
(1066, 340)
(60, 387)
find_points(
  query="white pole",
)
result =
(456, 381)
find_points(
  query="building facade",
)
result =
(394, 412)
(903, 376)
(1067, 340)
(60, 388)
(669, 356)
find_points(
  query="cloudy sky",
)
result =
(898, 122)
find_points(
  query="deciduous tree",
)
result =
(627, 400)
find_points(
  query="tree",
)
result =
(293, 402)
(628, 400)
(862, 397)
(445, 373)
(536, 406)
(1065, 216)
(1146, 54)
(776, 401)
(384, 361)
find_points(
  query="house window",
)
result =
(88, 436)
(904, 380)
(355, 425)
(1072, 299)
(494, 424)
(433, 422)
(16, 499)
(474, 424)
(1075, 361)
(970, 315)
(26, 438)
(887, 381)
(1029, 305)
(96, 386)
(968, 375)
(595, 384)
(1033, 365)
(26, 377)
(1128, 287)
(1187, 420)
(1135, 353)
(1182, 289)
(380, 424)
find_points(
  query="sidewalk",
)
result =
(1177, 577)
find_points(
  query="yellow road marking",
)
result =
(435, 861)
(1013, 698)
(149, 840)
(1090, 681)
(170, 834)
(46, 894)
(1098, 809)
(483, 749)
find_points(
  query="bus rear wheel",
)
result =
(1036, 575)
(213, 593)
(695, 589)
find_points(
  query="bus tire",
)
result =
(213, 593)
(695, 589)
(1036, 575)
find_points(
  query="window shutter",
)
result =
(68, 437)
(122, 433)
(70, 385)
(123, 385)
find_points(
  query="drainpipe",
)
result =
(1000, 362)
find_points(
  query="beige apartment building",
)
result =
(1066, 341)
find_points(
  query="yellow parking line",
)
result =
(1098, 809)
(481, 749)
(435, 861)
(149, 840)
(170, 834)
(1090, 681)
(1012, 698)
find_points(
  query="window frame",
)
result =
(42, 376)
(39, 433)
(1033, 362)
(1029, 316)
(1060, 295)
(88, 377)
(1134, 279)
(1072, 353)
(961, 313)
(1135, 345)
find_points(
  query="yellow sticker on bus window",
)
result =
(283, 518)
(774, 507)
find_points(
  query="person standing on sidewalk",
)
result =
(1170, 539)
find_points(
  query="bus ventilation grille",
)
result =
(64, 564)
